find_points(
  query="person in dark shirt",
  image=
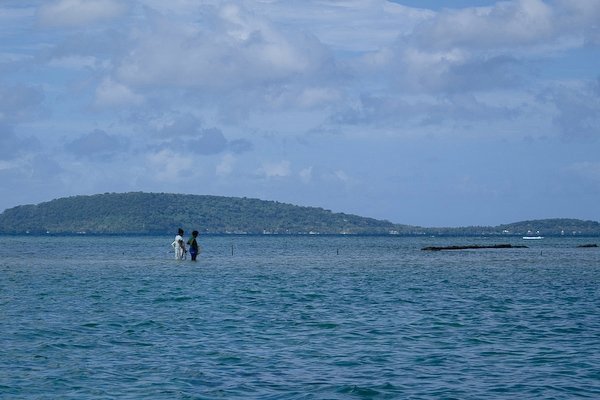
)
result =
(193, 245)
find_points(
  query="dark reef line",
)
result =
(469, 247)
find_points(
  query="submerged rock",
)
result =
(469, 247)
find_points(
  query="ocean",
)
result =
(298, 317)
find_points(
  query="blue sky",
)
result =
(431, 113)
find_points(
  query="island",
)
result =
(163, 213)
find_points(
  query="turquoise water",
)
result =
(306, 317)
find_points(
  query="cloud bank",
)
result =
(372, 107)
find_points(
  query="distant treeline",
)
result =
(539, 227)
(161, 213)
(158, 213)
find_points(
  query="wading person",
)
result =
(179, 245)
(193, 244)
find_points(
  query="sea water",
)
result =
(298, 317)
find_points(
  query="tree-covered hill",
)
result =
(163, 213)
(538, 227)
(153, 213)
(553, 226)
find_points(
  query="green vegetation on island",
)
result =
(159, 213)
(163, 213)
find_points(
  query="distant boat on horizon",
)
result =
(532, 237)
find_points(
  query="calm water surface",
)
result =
(310, 317)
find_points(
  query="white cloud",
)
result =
(78, 13)
(238, 49)
(354, 26)
(275, 169)
(338, 176)
(9, 165)
(342, 176)
(472, 49)
(513, 23)
(168, 166)
(114, 94)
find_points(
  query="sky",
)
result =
(421, 112)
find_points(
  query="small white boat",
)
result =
(532, 237)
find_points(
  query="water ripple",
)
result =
(291, 319)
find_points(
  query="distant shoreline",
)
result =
(121, 234)
(140, 213)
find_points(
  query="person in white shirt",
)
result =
(179, 245)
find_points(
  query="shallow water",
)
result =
(298, 317)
